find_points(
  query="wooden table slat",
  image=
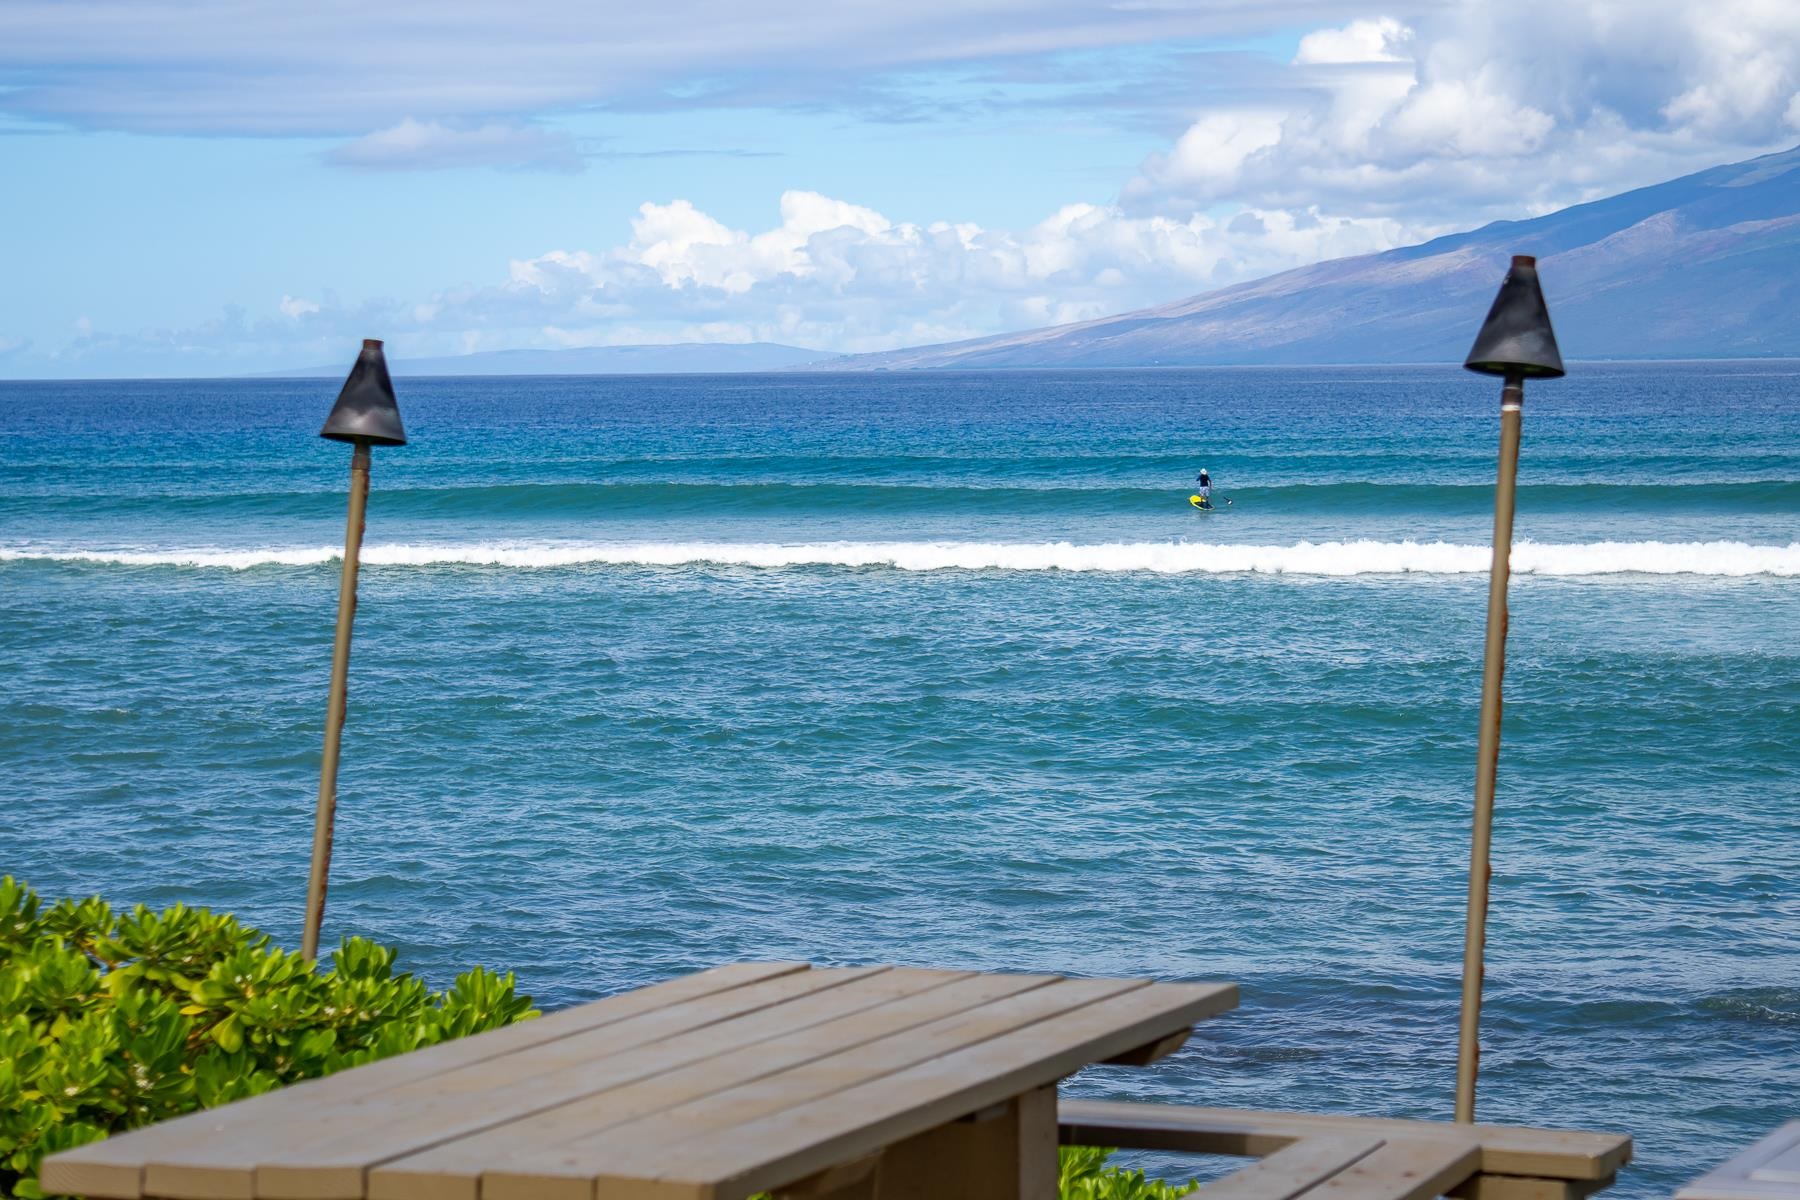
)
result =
(1402, 1170)
(522, 1086)
(114, 1168)
(786, 1127)
(1291, 1170)
(451, 1171)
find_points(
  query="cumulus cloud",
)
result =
(1381, 39)
(433, 145)
(1488, 110)
(840, 276)
(828, 274)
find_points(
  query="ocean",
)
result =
(653, 673)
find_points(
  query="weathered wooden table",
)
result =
(843, 1081)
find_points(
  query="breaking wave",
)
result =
(1331, 559)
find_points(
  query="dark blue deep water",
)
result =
(653, 673)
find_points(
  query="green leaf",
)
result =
(19, 924)
(359, 958)
(228, 1035)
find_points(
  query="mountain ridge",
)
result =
(1622, 275)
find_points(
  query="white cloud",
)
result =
(1379, 39)
(414, 145)
(1466, 119)
(1745, 67)
(841, 276)
(293, 307)
(1477, 110)
(1207, 162)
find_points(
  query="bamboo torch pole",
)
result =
(336, 704)
(365, 415)
(1487, 753)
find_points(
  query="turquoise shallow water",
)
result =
(654, 673)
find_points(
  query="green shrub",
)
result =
(109, 1022)
(1085, 1176)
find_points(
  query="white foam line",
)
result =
(1331, 559)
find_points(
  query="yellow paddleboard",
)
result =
(1200, 502)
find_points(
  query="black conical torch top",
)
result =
(1516, 339)
(366, 410)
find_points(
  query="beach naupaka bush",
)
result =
(111, 1021)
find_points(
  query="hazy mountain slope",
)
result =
(697, 358)
(1702, 266)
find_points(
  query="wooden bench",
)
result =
(1307, 1157)
(1769, 1170)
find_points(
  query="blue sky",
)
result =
(201, 188)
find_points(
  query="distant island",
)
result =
(697, 358)
(1706, 266)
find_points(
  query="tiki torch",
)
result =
(1516, 343)
(365, 415)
